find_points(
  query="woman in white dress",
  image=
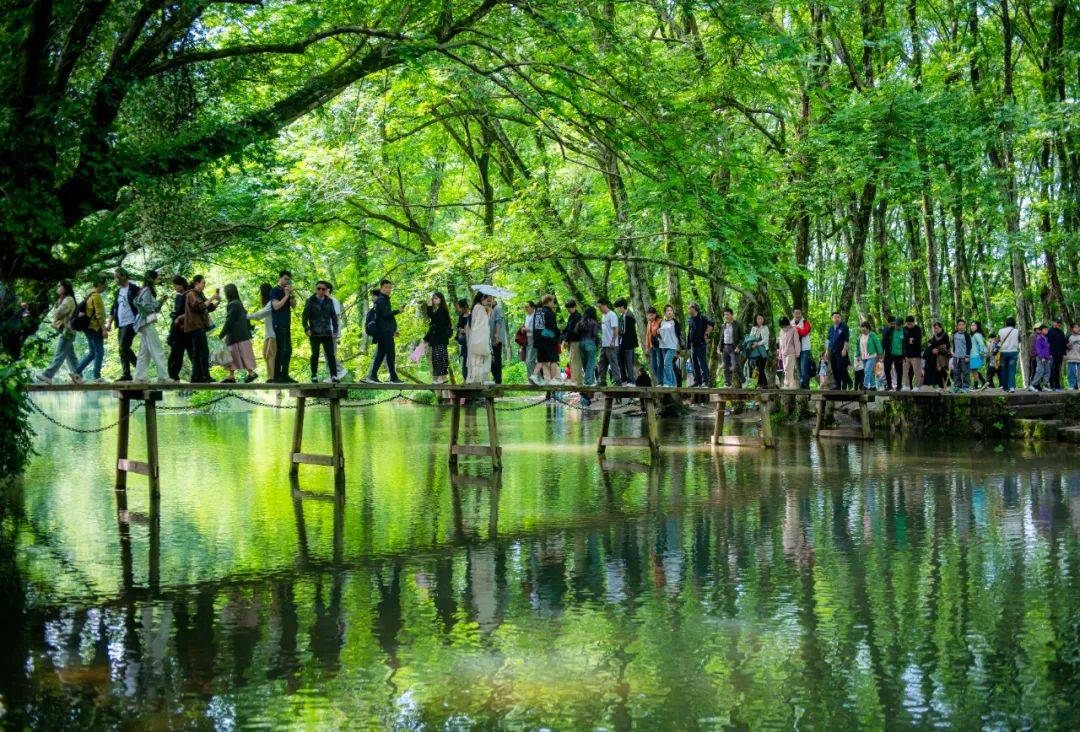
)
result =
(478, 337)
(265, 315)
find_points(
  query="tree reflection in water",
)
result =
(820, 585)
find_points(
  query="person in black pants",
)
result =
(197, 309)
(839, 336)
(697, 333)
(122, 316)
(320, 322)
(179, 344)
(628, 341)
(385, 330)
(1059, 343)
(281, 301)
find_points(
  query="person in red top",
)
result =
(802, 327)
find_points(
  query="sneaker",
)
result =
(250, 378)
(395, 380)
(41, 378)
(335, 380)
(75, 378)
(229, 380)
(1032, 388)
(905, 388)
(370, 380)
(535, 380)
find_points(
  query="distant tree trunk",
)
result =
(918, 284)
(635, 274)
(881, 256)
(674, 284)
(860, 229)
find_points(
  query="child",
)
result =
(1043, 360)
(993, 360)
(1072, 357)
(824, 380)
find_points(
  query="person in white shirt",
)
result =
(342, 372)
(1009, 348)
(530, 346)
(609, 343)
(122, 317)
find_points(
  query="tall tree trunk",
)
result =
(881, 257)
(918, 283)
(860, 229)
(636, 277)
(674, 284)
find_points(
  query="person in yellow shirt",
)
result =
(95, 331)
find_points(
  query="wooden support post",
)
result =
(652, 424)
(122, 435)
(455, 427)
(298, 435)
(605, 423)
(764, 413)
(150, 407)
(718, 422)
(335, 434)
(493, 434)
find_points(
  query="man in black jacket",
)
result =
(1059, 343)
(385, 331)
(320, 322)
(628, 341)
(122, 316)
(179, 344)
(697, 333)
(913, 352)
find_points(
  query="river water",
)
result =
(818, 585)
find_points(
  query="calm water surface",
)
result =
(819, 585)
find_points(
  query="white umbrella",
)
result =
(494, 291)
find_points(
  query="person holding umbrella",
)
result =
(478, 339)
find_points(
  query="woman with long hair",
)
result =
(757, 342)
(147, 307)
(668, 343)
(60, 318)
(197, 309)
(588, 329)
(937, 356)
(546, 339)
(438, 337)
(478, 339)
(265, 315)
(237, 335)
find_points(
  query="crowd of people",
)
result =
(598, 344)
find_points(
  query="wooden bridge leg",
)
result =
(652, 423)
(150, 407)
(605, 423)
(493, 434)
(767, 439)
(455, 427)
(335, 433)
(122, 434)
(298, 435)
(718, 422)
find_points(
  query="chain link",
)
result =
(80, 430)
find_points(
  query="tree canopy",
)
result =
(869, 156)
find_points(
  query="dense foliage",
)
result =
(15, 431)
(864, 155)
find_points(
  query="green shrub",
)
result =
(15, 431)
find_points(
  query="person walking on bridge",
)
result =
(892, 342)
(178, 342)
(320, 322)
(281, 303)
(1072, 357)
(438, 337)
(572, 339)
(197, 309)
(609, 343)
(478, 338)
(729, 349)
(95, 329)
(1009, 349)
(1043, 360)
(236, 333)
(385, 331)
(60, 319)
(802, 327)
(122, 316)
(628, 341)
(698, 330)
(839, 345)
(961, 357)
(790, 348)
(1059, 344)
(913, 371)
(546, 338)
(147, 307)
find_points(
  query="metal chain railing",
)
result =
(80, 430)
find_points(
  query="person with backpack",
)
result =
(979, 352)
(147, 307)
(1044, 359)
(122, 316)
(320, 322)
(546, 338)
(628, 341)
(936, 356)
(802, 327)
(892, 343)
(756, 346)
(60, 319)
(236, 332)
(385, 329)
(1009, 350)
(588, 332)
(90, 320)
(438, 337)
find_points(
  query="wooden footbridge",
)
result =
(462, 396)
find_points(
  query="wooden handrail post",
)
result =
(718, 421)
(767, 439)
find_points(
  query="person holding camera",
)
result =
(281, 305)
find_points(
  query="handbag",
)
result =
(220, 355)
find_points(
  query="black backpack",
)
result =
(80, 321)
(371, 323)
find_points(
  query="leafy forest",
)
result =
(871, 156)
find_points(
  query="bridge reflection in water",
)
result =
(818, 583)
